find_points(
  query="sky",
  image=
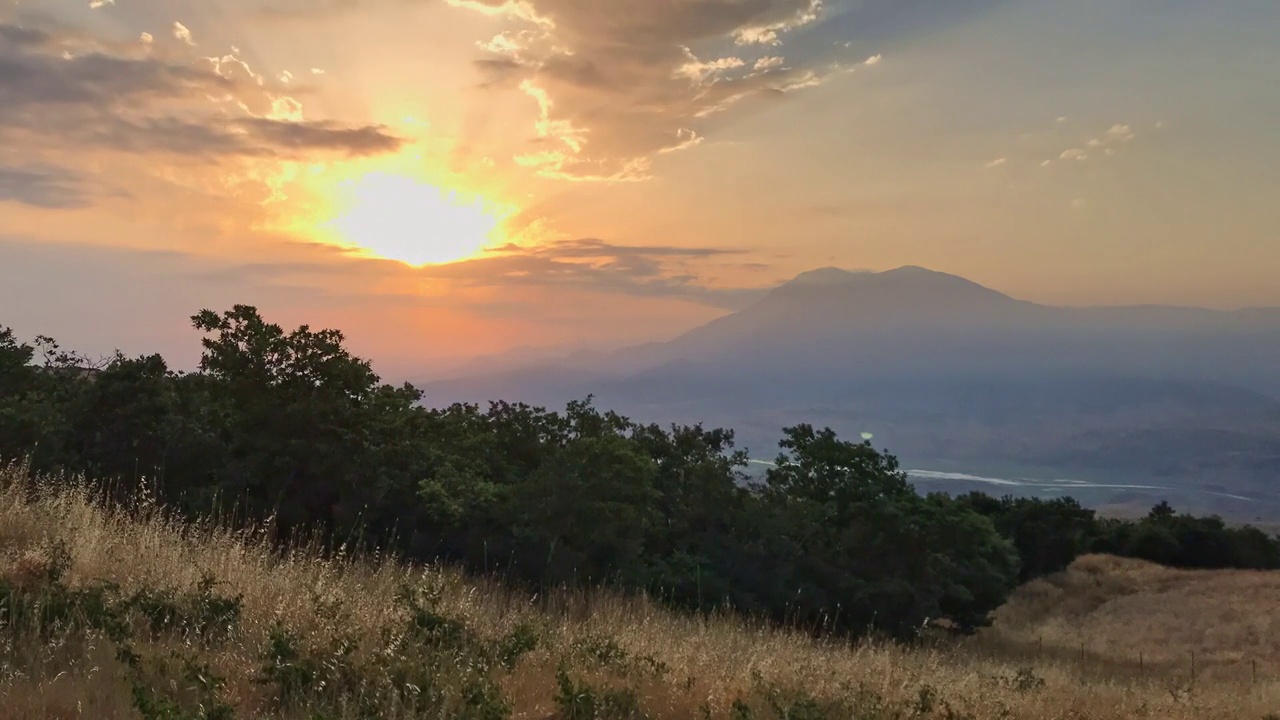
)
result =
(443, 179)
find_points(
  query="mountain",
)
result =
(957, 376)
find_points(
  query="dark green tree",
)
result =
(1048, 534)
(311, 434)
(873, 555)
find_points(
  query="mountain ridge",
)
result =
(806, 285)
(944, 370)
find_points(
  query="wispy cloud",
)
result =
(617, 84)
(43, 186)
(60, 93)
(584, 265)
(1104, 145)
(654, 271)
(768, 33)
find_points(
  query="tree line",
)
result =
(289, 427)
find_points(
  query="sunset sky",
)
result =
(446, 178)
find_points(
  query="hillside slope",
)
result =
(1117, 609)
(299, 636)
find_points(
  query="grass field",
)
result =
(300, 636)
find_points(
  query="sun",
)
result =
(399, 217)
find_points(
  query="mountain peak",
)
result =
(906, 294)
(832, 275)
(908, 278)
(912, 270)
(826, 276)
(919, 276)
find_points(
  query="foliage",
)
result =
(1049, 534)
(173, 686)
(862, 541)
(358, 637)
(289, 427)
(583, 702)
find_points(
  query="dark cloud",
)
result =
(650, 24)
(592, 247)
(19, 35)
(592, 265)
(43, 78)
(595, 265)
(43, 186)
(618, 83)
(321, 135)
(142, 103)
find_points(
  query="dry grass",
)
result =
(1123, 612)
(1115, 606)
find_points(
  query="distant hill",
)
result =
(946, 372)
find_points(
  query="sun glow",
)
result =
(398, 217)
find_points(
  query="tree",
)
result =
(306, 423)
(19, 420)
(1048, 534)
(16, 370)
(872, 554)
(590, 506)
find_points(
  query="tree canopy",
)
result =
(289, 425)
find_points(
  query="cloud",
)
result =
(247, 137)
(996, 163)
(42, 76)
(767, 33)
(96, 4)
(1120, 133)
(596, 248)
(320, 135)
(42, 186)
(181, 32)
(698, 71)
(562, 269)
(20, 35)
(58, 93)
(874, 60)
(1105, 143)
(653, 271)
(685, 139)
(614, 83)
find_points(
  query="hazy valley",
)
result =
(960, 379)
